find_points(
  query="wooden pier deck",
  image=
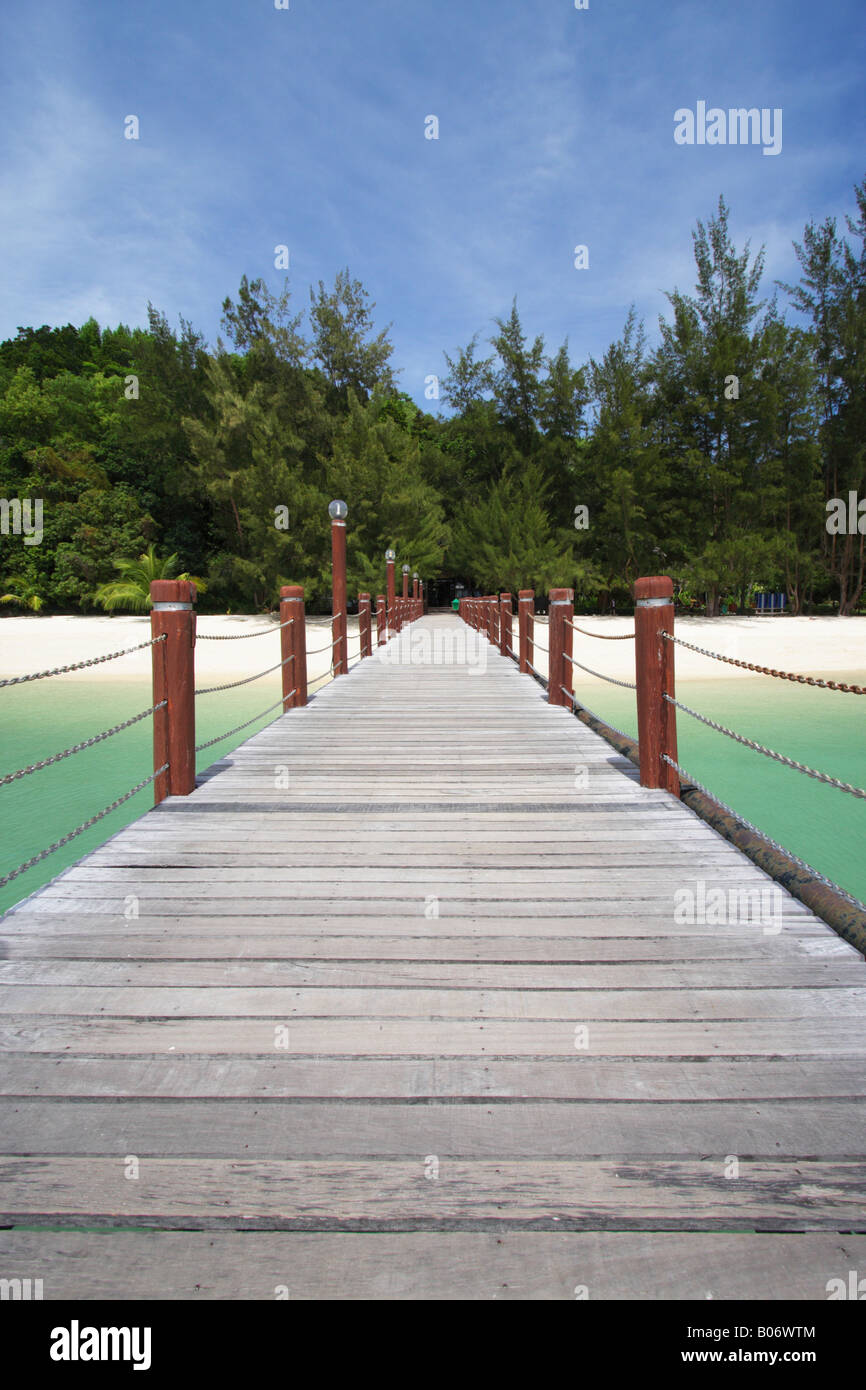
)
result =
(395, 1005)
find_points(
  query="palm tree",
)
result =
(28, 597)
(132, 589)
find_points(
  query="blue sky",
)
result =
(305, 127)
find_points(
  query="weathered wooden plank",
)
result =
(456, 1002)
(526, 1129)
(578, 1078)
(228, 940)
(372, 1037)
(347, 1194)
(431, 1266)
(492, 975)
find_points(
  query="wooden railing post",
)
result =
(365, 625)
(559, 669)
(654, 674)
(390, 557)
(525, 613)
(381, 620)
(173, 616)
(490, 603)
(293, 646)
(337, 512)
(505, 633)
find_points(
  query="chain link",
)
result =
(80, 665)
(766, 670)
(580, 705)
(233, 685)
(78, 747)
(602, 637)
(241, 636)
(37, 858)
(211, 741)
(626, 685)
(768, 752)
(692, 781)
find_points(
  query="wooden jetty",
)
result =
(394, 1005)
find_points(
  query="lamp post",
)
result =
(338, 511)
(390, 557)
(404, 607)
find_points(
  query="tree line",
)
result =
(713, 457)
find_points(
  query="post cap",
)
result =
(172, 591)
(338, 511)
(390, 556)
(654, 586)
(405, 569)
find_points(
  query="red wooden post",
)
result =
(173, 617)
(525, 612)
(559, 669)
(381, 620)
(505, 635)
(390, 557)
(490, 603)
(654, 673)
(293, 644)
(365, 625)
(338, 512)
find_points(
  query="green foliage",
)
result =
(710, 458)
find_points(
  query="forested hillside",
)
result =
(711, 456)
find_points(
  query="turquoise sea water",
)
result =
(825, 729)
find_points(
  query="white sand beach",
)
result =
(29, 644)
(809, 646)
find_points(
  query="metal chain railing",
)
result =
(766, 670)
(78, 747)
(58, 844)
(626, 685)
(236, 730)
(692, 781)
(574, 701)
(768, 752)
(233, 685)
(602, 637)
(80, 665)
(241, 636)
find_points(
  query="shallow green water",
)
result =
(824, 729)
